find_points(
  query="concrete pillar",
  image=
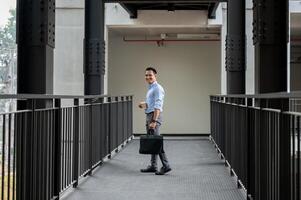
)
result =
(235, 47)
(270, 40)
(36, 41)
(94, 51)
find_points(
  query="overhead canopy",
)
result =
(132, 6)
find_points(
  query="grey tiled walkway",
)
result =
(198, 174)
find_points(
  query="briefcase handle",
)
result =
(151, 131)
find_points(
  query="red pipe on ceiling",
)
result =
(190, 40)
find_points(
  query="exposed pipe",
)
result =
(158, 41)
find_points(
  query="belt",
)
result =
(149, 113)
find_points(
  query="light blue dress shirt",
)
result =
(154, 97)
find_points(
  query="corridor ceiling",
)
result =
(132, 6)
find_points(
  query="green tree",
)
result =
(8, 32)
(8, 57)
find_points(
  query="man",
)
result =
(153, 110)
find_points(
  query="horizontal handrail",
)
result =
(277, 95)
(271, 110)
(50, 96)
(292, 113)
(15, 112)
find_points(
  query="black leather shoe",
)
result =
(163, 170)
(149, 169)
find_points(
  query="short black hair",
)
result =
(151, 69)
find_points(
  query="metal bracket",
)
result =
(94, 56)
(234, 47)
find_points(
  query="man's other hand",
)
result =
(142, 105)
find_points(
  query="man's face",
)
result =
(150, 77)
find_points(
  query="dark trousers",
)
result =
(154, 157)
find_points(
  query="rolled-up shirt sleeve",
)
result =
(159, 98)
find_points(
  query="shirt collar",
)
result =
(152, 84)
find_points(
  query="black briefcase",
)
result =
(150, 143)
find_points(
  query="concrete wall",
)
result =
(189, 72)
(295, 77)
(295, 50)
(223, 49)
(295, 67)
(250, 59)
(295, 6)
(68, 53)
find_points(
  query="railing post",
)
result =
(211, 117)
(90, 137)
(24, 155)
(57, 151)
(118, 124)
(122, 121)
(109, 127)
(131, 114)
(250, 141)
(75, 142)
(127, 118)
(31, 146)
(285, 152)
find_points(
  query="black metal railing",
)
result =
(44, 151)
(259, 138)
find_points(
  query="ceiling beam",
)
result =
(130, 9)
(212, 10)
(165, 1)
(171, 6)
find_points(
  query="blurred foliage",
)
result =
(8, 59)
(8, 32)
